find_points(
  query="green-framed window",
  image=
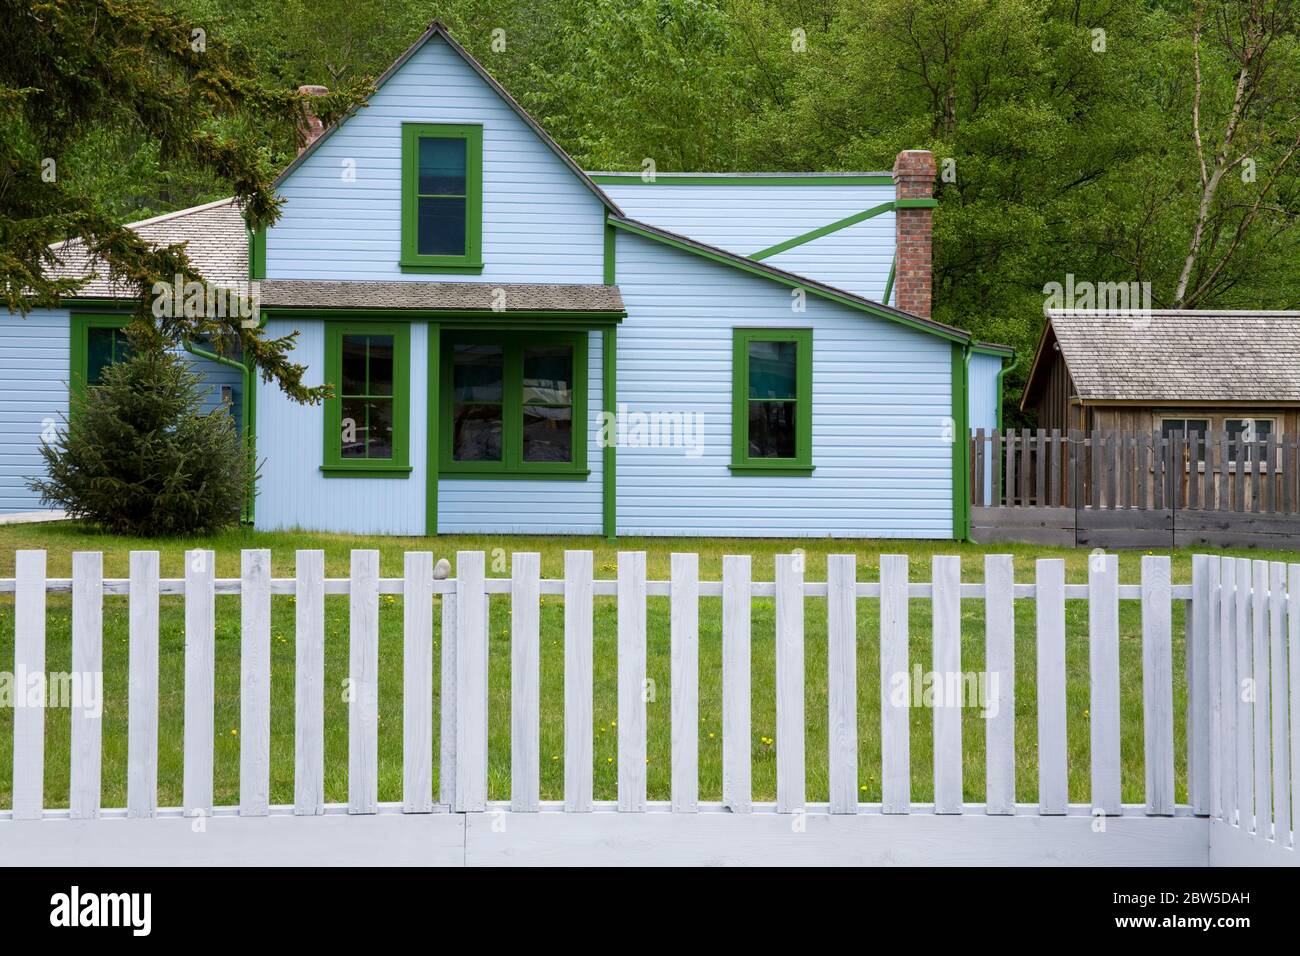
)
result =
(368, 364)
(95, 342)
(442, 198)
(514, 404)
(771, 423)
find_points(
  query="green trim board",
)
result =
(471, 259)
(611, 249)
(960, 447)
(433, 394)
(742, 179)
(742, 462)
(483, 318)
(256, 254)
(512, 464)
(333, 463)
(889, 282)
(844, 223)
(825, 230)
(609, 460)
(792, 281)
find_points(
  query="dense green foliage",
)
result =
(139, 456)
(1070, 128)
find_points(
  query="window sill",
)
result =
(468, 268)
(524, 475)
(366, 471)
(774, 470)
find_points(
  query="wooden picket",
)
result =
(1242, 686)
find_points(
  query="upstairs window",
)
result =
(442, 198)
(772, 402)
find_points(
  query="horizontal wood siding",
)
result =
(540, 223)
(982, 403)
(881, 400)
(292, 492)
(468, 506)
(33, 396)
(748, 219)
(34, 369)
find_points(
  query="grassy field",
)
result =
(61, 540)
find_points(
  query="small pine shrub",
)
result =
(137, 455)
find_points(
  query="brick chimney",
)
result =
(311, 130)
(914, 173)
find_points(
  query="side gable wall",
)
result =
(882, 401)
(540, 222)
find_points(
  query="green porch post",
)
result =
(609, 358)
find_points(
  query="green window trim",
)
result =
(334, 465)
(741, 461)
(472, 259)
(512, 465)
(80, 324)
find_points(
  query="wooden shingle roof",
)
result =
(214, 236)
(1179, 356)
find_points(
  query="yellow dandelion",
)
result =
(234, 732)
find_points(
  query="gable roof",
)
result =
(214, 235)
(1175, 355)
(437, 29)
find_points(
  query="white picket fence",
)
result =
(1243, 688)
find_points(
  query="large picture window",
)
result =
(442, 198)
(368, 365)
(772, 401)
(514, 404)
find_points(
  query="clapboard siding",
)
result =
(292, 492)
(540, 223)
(748, 219)
(533, 507)
(33, 398)
(881, 400)
(982, 400)
(34, 370)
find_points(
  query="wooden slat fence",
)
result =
(1124, 489)
(1243, 622)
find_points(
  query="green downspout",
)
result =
(247, 405)
(1002, 372)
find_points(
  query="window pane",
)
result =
(99, 353)
(548, 433)
(442, 167)
(476, 373)
(772, 429)
(1235, 426)
(379, 432)
(354, 365)
(476, 433)
(352, 428)
(548, 374)
(381, 365)
(442, 227)
(772, 369)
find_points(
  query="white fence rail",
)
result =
(1243, 718)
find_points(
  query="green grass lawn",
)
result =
(61, 539)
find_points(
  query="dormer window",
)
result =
(442, 198)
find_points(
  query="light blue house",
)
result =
(518, 346)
